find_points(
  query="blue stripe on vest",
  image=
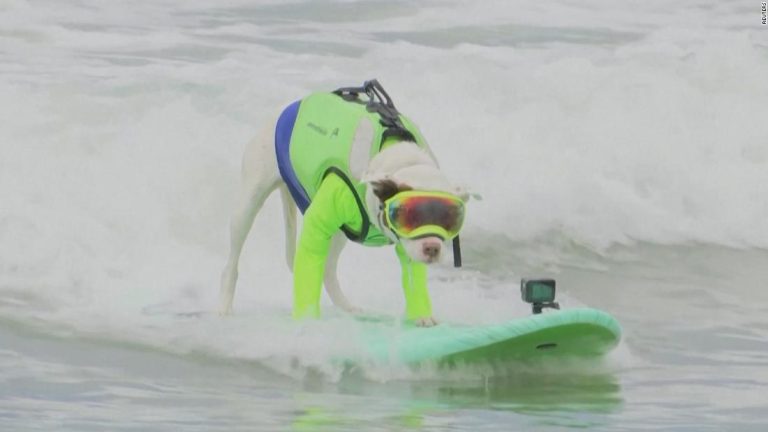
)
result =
(283, 132)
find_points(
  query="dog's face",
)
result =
(426, 249)
(405, 167)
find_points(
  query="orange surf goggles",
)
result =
(413, 214)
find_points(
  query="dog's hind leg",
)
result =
(330, 278)
(260, 178)
(289, 213)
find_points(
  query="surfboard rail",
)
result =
(582, 332)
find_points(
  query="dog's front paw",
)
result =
(354, 310)
(426, 322)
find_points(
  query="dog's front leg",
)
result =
(331, 279)
(418, 307)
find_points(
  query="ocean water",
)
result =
(618, 147)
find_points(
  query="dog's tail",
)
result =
(289, 212)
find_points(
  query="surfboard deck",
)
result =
(572, 333)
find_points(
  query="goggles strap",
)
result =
(456, 252)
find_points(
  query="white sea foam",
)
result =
(123, 126)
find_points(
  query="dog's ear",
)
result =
(462, 193)
(387, 188)
(384, 189)
(465, 195)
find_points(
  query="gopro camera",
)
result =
(540, 293)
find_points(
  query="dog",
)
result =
(374, 166)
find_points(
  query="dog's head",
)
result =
(406, 167)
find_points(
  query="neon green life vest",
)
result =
(329, 136)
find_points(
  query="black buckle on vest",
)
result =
(380, 103)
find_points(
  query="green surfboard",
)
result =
(572, 333)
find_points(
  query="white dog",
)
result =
(357, 169)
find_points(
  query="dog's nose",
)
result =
(431, 248)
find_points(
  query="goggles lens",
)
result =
(412, 214)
